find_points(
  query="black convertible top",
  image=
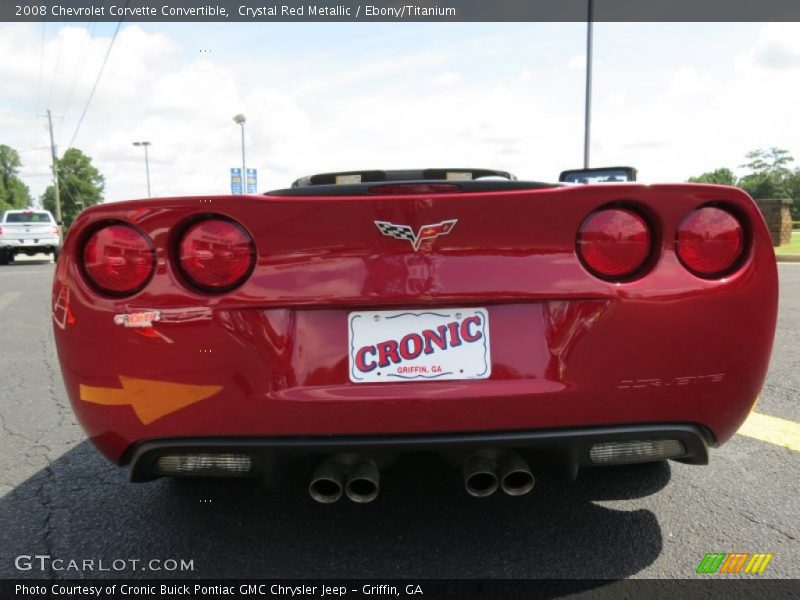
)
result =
(345, 177)
(356, 183)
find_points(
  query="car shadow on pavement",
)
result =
(423, 525)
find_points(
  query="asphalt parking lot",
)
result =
(59, 497)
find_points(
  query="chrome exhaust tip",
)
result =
(480, 479)
(327, 483)
(363, 482)
(516, 478)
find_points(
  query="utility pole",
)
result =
(588, 114)
(55, 169)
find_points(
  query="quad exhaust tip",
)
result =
(484, 474)
(363, 482)
(327, 483)
(516, 478)
(358, 479)
(480, 478)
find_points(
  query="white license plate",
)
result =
(419, 345)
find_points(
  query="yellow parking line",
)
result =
(8, 298)
(773, 430)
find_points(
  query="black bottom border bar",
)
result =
(462, 589)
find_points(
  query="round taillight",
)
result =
(614, 243)
(216, 254)
(118, 259)
(710, 241)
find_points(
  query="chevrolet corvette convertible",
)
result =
(510, 327)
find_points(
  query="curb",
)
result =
(788, 258)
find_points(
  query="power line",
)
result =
(79, 66)
(58, 61)
(97, 81)
(41, 66)
(37, 131)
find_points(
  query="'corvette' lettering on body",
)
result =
(657, 382)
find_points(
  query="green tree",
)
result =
(9, 163)
(723, 176)
(13, 193)
(769, 173)
(16, 196)
(80, 185)
(793, 188)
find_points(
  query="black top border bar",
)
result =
(262, 11)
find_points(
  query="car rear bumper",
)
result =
(279, 373)
(16, 244)
(559, 450)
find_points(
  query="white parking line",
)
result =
(8, 298)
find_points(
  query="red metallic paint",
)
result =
(568, 349)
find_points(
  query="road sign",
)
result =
(236, 180)
(252, 180)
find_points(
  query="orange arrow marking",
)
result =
(149, 399)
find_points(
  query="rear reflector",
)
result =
(710, 242)
(118, 259)
(216, 254)
(620, 453)
(204, 464)
(614, 243)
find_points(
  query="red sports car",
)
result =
(509, 326)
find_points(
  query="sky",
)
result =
(671, 99)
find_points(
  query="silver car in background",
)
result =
(28, 232)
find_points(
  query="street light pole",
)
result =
(588, 107)
(146, 163)
(240, 120)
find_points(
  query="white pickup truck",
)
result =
(30, 232)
